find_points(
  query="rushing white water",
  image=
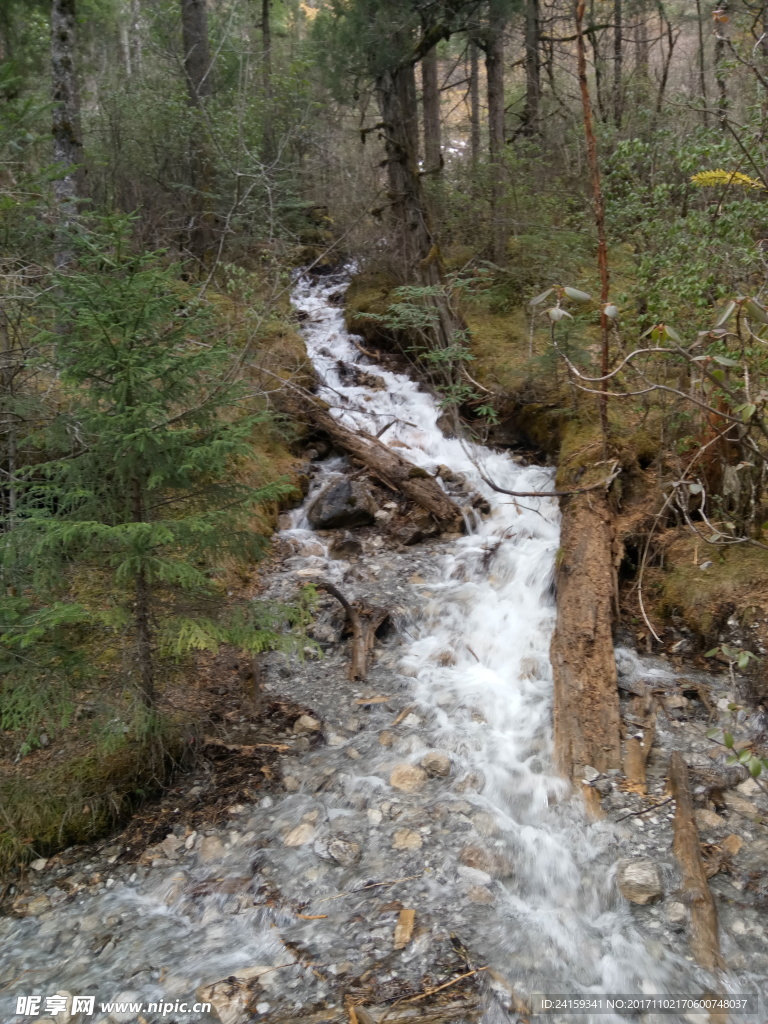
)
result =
(474, 666)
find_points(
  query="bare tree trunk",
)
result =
(430, 88)
(703, 65)
(720, 71)
(142, 615)
(642, 51)
(197, 71)
(666, 25)
(137, 53)
(532, 68)
(618, 61)
(67, 140)
(494, 66)
(268, 131)
(474, 105)
(599, 211)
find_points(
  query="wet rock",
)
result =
(708, 819)
(346, 546)
(171, 845)
(374, 816)
(342, 504)
(290, 784)
(39, 864)
(211, 849)
(590, 774)
(306, 725)
(492, 863)
(604, 787)
(749, 787)
(479, 894)
(740, 805)
(485, 824)
(301, 835)
(639, 880)
(407, 777)
(406, 839)
(436, 764)
(344, 851)
(231, 997)
(472, 782)
(676, 913)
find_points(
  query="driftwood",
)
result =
(643, 720)
(364, 620)
(705, 941)
(390, 468)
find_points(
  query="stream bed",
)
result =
(427, 789)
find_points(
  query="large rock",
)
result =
(639, 880)
(342, 504)
(407, 777)
(492, 863)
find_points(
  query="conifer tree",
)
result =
(144, 485)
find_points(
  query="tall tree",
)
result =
(67, 139)
(494, 68)
(618, 62)
(532, 68)
(197, 72)
(430, 91)
(268, 128)
(474, 104)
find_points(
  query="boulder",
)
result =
(342, 504)
(639, 880)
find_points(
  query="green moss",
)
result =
(76, 800)
(738, 577)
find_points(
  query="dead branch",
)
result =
(364, 620)
(705, 941)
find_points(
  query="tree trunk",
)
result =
(642, 52)
(67, 142)
(720, 72)
(197, 56)
(618, 59)
(142, 614)
(703, 65)
(268, 131)
(430, 87)
(474, 105)
(494, 66)
(197, 71)
(532, 68)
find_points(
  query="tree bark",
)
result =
(586, 697)
(703, 65)
(142, 614)
(197, 56)
(268, 131)
(705, 941)
(474, 105)
(197, 71)
(720, 72)
(494, 66)
(618, 62)
(532, 68)
(67, 139)
(430, 90)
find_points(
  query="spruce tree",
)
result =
(148, 440)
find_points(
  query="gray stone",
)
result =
(342, 504)
(639, 880)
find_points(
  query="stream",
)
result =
(451, 809)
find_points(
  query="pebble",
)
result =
(301, 835)
(406, 839)
(306, 724)
(387, 738)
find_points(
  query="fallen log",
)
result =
(390, 468)
(364, 620)
(586, 696)
(705, 941)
